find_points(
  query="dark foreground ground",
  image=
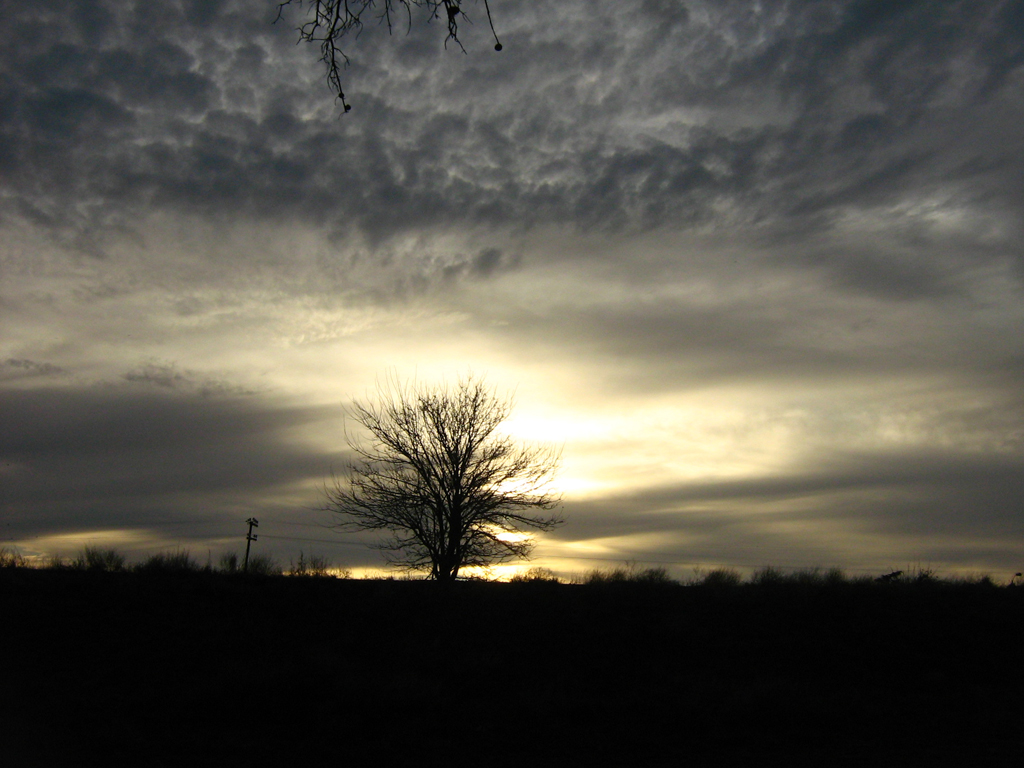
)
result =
(198, 670)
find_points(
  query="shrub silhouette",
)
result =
(11, 559)
(170, 562)
(535, 574)
(56, 562)
(99, 559)
(718, 578)
(768, 577)
(313, 566)
(924, 576)
(263, 565)
(259, 565)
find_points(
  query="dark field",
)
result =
(209, 669)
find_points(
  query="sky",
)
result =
(756, 268)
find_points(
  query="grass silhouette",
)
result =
(630, 573)
(12, 559)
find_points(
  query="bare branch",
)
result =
(330, 21)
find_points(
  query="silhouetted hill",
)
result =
(206, 669)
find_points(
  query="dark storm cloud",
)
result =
(83, 458)
(927, 500)
(17, 368)
(112, 110)
(670, 339)
(169, 376)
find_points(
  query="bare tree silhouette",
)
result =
(439, 477)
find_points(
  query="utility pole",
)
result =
(249, 539)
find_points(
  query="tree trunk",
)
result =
(445, 569)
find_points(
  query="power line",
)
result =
(318, 541)
(293, 522)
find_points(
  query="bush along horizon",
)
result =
(180, 561)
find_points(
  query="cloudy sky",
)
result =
(756, 267)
